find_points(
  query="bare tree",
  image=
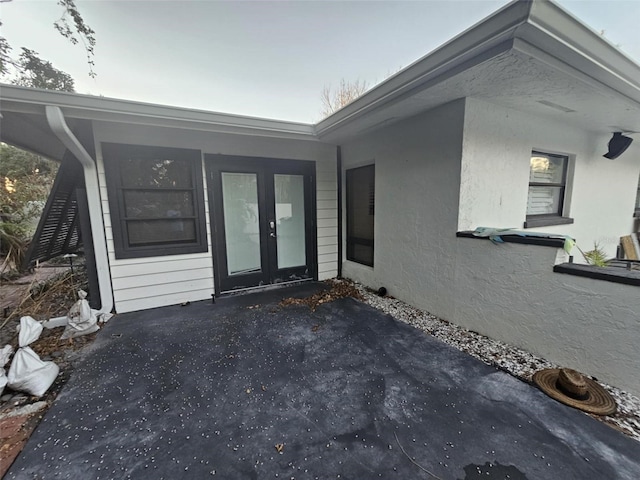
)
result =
(347, 92)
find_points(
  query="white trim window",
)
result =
(547, 187)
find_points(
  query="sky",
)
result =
(263, 58)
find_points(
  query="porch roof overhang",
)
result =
(24, 124)
(531, 56)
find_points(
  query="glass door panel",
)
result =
(290, 220)
(241, 222)
(262, 220)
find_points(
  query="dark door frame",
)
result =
(265, 168)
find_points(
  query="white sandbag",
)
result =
(5, 353)
(103, 317)
(27, 372)
(56, 322)
(29, 331)
(81, 319)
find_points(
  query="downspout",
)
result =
(59, 126)
(339, 178)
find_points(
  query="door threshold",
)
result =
(262, 288)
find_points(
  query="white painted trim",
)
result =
(554, 22)
(58, 125)
(482, 37)
(115, 110)
(529, 26)
(538, 28)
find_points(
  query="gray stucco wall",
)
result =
(417, 168)
(507, 292)
(511, 293)
(496, 154)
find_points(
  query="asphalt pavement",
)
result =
(247, 389)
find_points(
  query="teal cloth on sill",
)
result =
(494, 234)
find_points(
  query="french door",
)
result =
(263, 220)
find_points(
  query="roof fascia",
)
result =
(536, 27)
(559, 34)
(475, 42)
(614, 87)
(109, 109)
(540, 28)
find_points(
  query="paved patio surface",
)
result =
(214, 391)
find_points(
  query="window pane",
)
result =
(155, 232)
(547, 169)
(360, 214)
(155, 172)
(362, 252)
(290, 220)
(155, 199)
(159, 204)
(241, 222)
(544, 200)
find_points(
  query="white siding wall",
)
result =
(149, 282)
(167, 280)
(417, 175)
(495, 175)
(327, 208)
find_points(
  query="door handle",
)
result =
(272, 235)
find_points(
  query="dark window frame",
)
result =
(353, 241)
(112, 153)
(548, 219)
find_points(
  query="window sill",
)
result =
(357, 265)
(358, 262)
(160, 251)
(546, 221)
(609, 274)
(540, 241)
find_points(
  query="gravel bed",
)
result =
(513, 360)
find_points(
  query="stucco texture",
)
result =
(496, 153)
(510, 292)
(466, 164)
(417, 170)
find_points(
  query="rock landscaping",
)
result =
(20, 413)
(513, 360)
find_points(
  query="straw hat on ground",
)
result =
(574, 389)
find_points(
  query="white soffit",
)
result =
(30, 132)
(532, 57)
(73, 105)
(529, 56)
